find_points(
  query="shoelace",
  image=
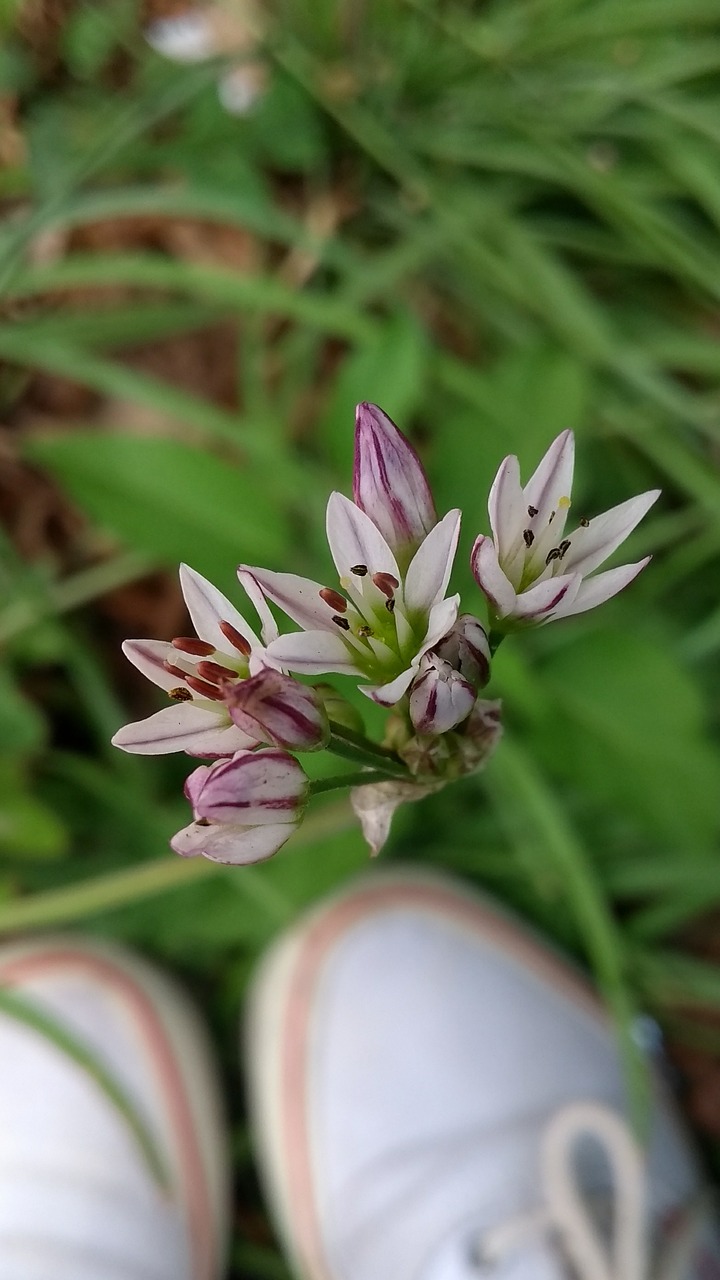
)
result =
(566, 1219)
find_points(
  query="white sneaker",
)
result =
(77, 1198)
(437, 1095)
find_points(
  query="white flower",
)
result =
(529, 571)
(244, 808)
(380, 623)
(195, 672)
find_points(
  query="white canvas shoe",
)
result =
(77, 1198)
(437, 1096)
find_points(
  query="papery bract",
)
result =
(529, 571)
(467, 648)
(274, 708)
(196, 672)
(244, 808)
(389, 483)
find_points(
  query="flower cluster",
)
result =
(243, 700)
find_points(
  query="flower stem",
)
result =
(359, 779)
(354, 746)
(98, 894)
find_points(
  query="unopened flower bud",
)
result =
(245, 808)
(274, 708)
(389, 483)
(440, 697)
(466, 648)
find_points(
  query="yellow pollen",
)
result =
(564, 503)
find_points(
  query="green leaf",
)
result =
(628, 725)
(22, 728)
(169, 499)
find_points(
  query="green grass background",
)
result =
(532, 244)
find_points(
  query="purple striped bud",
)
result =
(466, 648)
(245, 808)
(440, 697)
(274, 708)
(389, 483)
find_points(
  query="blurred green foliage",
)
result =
(524, 205)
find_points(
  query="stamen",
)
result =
(359, 569)
(532, 511)
(553, 555)
(189, 644)
(237, 640)
(175, 671)
(564, 547)
(180, 695)
(386, 583)
(365, 631)
(202, 822)
(334, 599)
(584, 522)
(205, 690)
(341, 622)
(528, 537)
(390, 604)
(214, 671)
(552, 517)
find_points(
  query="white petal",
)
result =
(602, 587)
(313, 652)
(429, 571)
(189, 842)
(544, 597)
(183, 727)
(591, 545)
(442, 617)
(253, 590)
(354, 539)
(298, 597)
(207, 607)
(507, 510)
(236, 846)
(490, 577)
(149, 656)
(388, 694)
(552, 482)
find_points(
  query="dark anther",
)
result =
(552, 517)
(188, 644)
(205, 690)
(584, 522)
(364, 631)
(341, 622)
(564, 547)
(386, 583)
(214, 671)
(532, 511)
(360, 570)
(175, 671)
(552, 555)
(180, 695)
(202, 822)
(390, 604)
(238, 642)
(528, 537)
(334, 599)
